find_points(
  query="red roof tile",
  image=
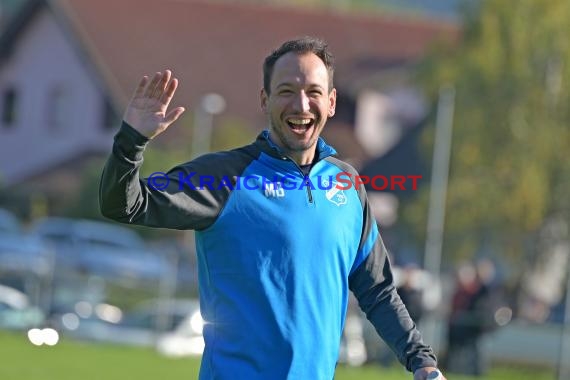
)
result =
(220, 46)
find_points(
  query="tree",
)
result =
(510, 171)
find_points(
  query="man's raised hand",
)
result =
(147, 109)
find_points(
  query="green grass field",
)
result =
(70, 360)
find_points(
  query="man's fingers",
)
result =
(173, 115)
(161, 85)
(139, 91)
(169, 93)
(152, 85)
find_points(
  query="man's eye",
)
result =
(285, 92)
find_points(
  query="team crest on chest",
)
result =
(334, 194)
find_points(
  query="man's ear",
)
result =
(332, 102)
(264, 98)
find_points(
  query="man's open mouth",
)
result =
(300, 125)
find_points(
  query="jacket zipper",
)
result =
(308, 184)
(305, 178)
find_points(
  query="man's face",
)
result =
(299, 104)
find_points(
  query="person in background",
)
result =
(472, 316)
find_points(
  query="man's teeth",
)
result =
(300, 121)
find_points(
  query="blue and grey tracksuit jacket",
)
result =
(277, 252)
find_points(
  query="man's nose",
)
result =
(301, 102)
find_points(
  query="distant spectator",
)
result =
(472, 316)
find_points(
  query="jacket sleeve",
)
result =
(174, 201)
(372, 282)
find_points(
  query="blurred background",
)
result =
(471, 95)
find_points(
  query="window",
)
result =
(58, 109)
(9, 107)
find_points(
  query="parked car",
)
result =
(63, 232)
(100, 248)
(23, 254)
(183, 258)
(114, 263)
(152, 323)
(16, 312)
(8, 222)
(186, 336)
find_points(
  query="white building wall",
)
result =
(44, 59)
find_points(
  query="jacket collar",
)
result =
(269, 147)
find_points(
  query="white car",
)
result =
(174, 326)
(186, 339)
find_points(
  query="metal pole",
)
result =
(202, 132)
(166, 291)
(438, 190)
(210, 105)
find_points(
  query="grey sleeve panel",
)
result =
(372, 283)
(182, 200)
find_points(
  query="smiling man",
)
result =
(298, 97)
(275, 263)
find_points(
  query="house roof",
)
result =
(217, 46)
(17, 23)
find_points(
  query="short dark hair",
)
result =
(299, 46)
